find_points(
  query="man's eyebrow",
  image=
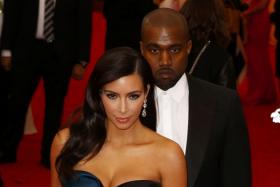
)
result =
(152, 45)
(171, 46)
(176, 45)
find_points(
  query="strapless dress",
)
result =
(86, 179)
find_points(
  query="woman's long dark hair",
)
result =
(88, 135)
(207, 21)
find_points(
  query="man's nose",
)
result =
(165, 59)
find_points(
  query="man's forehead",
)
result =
(163, 33)
(167, 28)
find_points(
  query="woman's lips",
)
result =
(122, 120)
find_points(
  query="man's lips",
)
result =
(165, 73)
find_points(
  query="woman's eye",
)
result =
(134, 96)
(112, 96)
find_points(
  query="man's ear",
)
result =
(141, 47)
(189, 46)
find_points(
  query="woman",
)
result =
(261, 88)
(113, 145)
(209, 59)
(275, 19)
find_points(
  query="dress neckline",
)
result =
(120, 185)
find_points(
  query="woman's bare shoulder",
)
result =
(61, 137)
(171, 162)
(163, 148)
(166, 147)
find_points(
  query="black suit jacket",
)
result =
(218, 152)
(72, 26)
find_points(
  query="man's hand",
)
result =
(173, 4)
(78, 72)
(157, 2)
(6, 62)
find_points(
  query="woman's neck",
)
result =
(129, 136)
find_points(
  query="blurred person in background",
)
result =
(275, 18)
(123, 19)
(1, 182)
(209, 59)
(235, 20)
(41, 39)
(4, 83)
(260, 88)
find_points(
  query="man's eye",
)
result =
(111, 96)
(174, 50)
(154, 51)
(134, 96)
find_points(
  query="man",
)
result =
(204, 119)
(4, 82)
(45, 39)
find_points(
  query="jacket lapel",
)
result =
(199, 128)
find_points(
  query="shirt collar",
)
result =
(177, 92)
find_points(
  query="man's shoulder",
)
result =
(204, 88)
(212, 97)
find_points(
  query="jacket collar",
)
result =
(200, 117)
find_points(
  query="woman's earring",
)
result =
(144, 112)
